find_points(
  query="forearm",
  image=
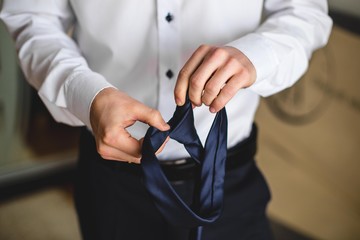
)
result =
(51, 60)
(282, 46)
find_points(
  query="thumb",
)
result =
(152, 117)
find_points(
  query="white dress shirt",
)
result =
(140, 46)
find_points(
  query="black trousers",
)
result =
(113, 204)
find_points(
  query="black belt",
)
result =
(184, 169)
(237, 156)
(210, 169)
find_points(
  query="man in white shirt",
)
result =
(126, 61)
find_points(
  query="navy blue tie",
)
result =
(209, 178)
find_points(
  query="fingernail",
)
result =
(212, 110)
(178, 102)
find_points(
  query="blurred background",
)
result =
(309, 148)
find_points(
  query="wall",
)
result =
(309, 139)
(347, 6)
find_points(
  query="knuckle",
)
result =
(233, 62)
(220, 53)
(154, 114)
(245, 74)
(210, 89)
(184, 73)
(228, 92)
(195, 82)
(204, 47)
(212, 85)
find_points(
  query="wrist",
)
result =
(80, 91)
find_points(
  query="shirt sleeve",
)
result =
(281, 47)
(50, 59)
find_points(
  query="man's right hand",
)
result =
(111, 112)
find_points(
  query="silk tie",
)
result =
(209, 178)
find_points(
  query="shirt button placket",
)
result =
(169, 53)
(169, 18)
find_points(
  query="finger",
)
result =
(204, 72)
(152, 117)
(227, 92)
(111, 153)
(121, 140)
(161, 148)
(218, 80)
(185, 73)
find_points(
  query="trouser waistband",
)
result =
(184, 169)
(237, 156)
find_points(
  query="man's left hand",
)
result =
(213, 75)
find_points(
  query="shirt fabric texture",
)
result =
(70, 50)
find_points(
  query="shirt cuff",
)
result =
(80, 91)
(260, 53)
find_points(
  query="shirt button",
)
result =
(169, 17)
(169, 74)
